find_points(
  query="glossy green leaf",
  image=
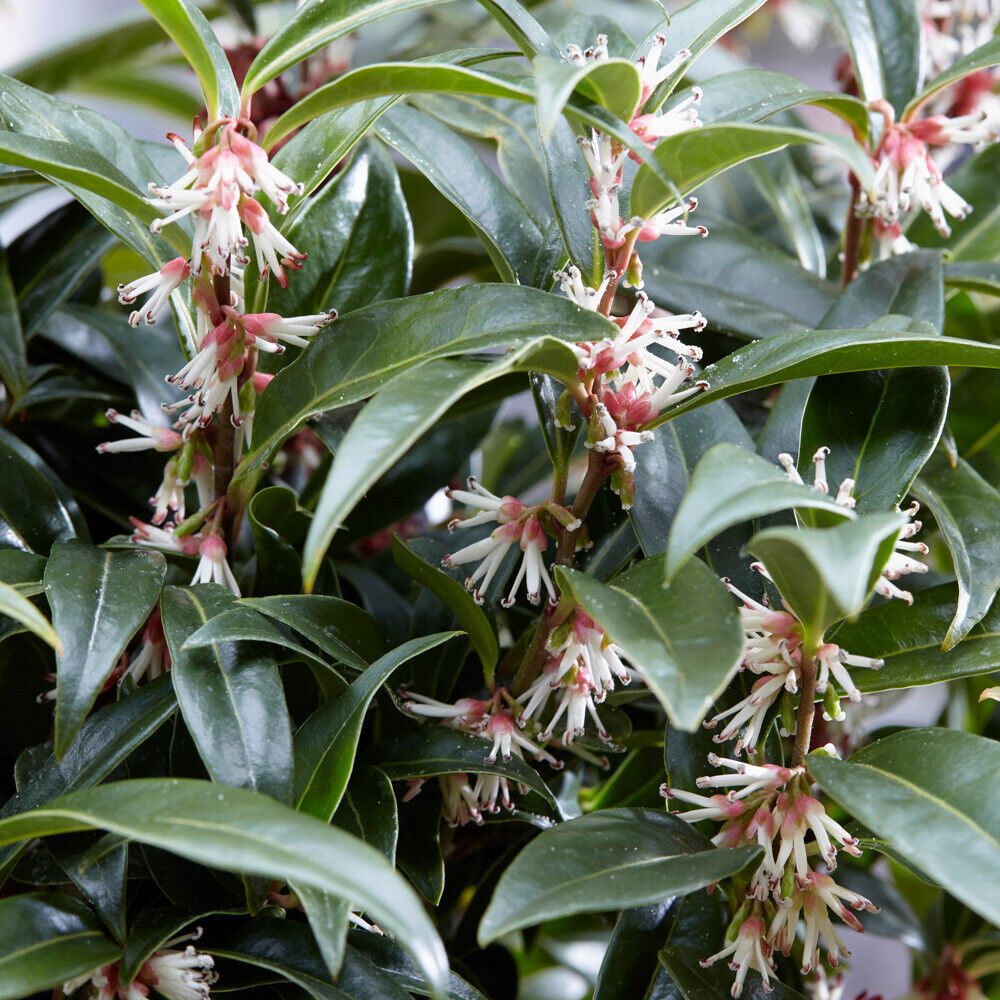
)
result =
(984, 57)
(460, 174)
(437, 750)
(738, 281)
(314, 25)
(887, 343)
(922, 792)
(694, 982)
(880, 427)
(361, 222)
(13, 362)
(519, 23)
(966, 509)
(329, 919)
(14, 605)
(693, 157)
(909, 640)
(388, 79)
(826, 574)
(631, 959)
(358, 354)
(684, 640)
(279, 527)
(345, 632)
(22, 571)
(456, 598)
(238, 830)
(696, 28)
(731, 485)
(751, 95)
(326, 744)
(608, 860)
(397, 417)
(47, 938)
(368, 810)
(884, 38)
(612, 83)
(99, 601)
(105, 739)
(193, 35)
(231, 697)
(973, 276)
(98, 871)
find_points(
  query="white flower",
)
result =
(603, 162)
(269, 244)
(682, 117)
(573, 287)
(151, 436)
(596, 53)
(576, 702)
(153, 657)
(651, 73)
(212, 565)
(178, 975)
(671, 222)
(161, 283)
(269, 330)
(749, 950)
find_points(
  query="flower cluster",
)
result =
(176, 975)
(770, 806)
(226, 172)
(493, 721)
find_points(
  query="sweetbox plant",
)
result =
(471, 504)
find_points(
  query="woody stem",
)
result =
(853, 229)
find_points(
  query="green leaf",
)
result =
(731, 485)
(884, 344)
(631, 958)
(608, 860)
(95, 140)
(35, 508)
(881, 428)
(518, 22)
(13, 361)
(279, 527)
(346, 633)
(694, 982)
(103, 742)
(358, 354)
(22, 571)
(739, 282)
(192, 33)
(693, 157)
(459, 173)
(986, 56)
(973, 276)
(288, 948)
(909, 640)
(684, 641)
(884, 38)
(314, 25)
(456, 598)
(368, 810)
(326, 744)
(47, 938)
(696, 28)
(966, 509)
(397, 417)
(241, 831)
(612, 83)
(922, 792)
(231, 698)
(98, 871)
(751, 95)
(437, 750)
(361, 222)
(827, 574)
(99, 601)
(329, 919)
(389, 79)
(13, 605)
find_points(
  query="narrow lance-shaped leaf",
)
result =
(188, 27)
(241, 831)
(99, 601)
(395, 419)
(15, 606)
(684, 640)
(984, 57)
(609, 860)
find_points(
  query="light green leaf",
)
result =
(15, 606)
(612, 83)
(684, 640)
(986, 56)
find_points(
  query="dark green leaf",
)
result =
(326, 744)
(231, 698)
(715, 983)
(99, 601)
(608, 860)
(46, 939)
(238, 830)
(922, 791)
(13, 362)
(368, 810)
(684, 641)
